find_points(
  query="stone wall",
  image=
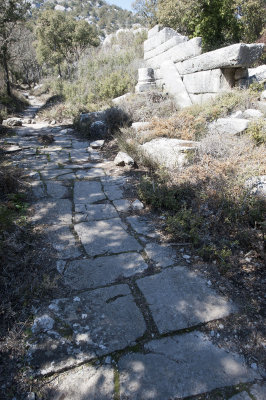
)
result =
(177, 65)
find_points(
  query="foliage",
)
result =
(60, 38)
(147, 9)
(218, 22)
(12, 12)
(257, 130)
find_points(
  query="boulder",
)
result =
(141, 126)
(98, 129)
(252, 113)
(263, 95)
(257, 186)
(123, 159)
(238, 55)
(170, 153)
(12, 122)
(233, 126)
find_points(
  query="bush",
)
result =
(257, 131)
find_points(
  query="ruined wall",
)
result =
(177, 64)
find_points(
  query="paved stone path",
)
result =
(131, 327)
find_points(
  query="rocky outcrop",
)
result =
(177, 64)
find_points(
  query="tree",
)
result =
(252, 18)
(12, 13)
(61, 38)
(147, 9)
(214, 20)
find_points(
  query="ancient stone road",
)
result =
(130, 329)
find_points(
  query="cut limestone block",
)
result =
(161, 37)
(178, 367)
(172, 153)
(237, 55)
(257, 74)
(152, 32)
(175, 85)
(202, 98)
(164, 47)
(180, 52)
(211, 81)
(146, 80)
(231, 126)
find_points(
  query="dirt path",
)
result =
(129, 324)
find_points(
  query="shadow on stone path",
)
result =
(131, 327)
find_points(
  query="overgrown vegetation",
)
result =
(208, 204)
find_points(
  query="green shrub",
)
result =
(257, 131)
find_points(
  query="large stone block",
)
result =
(164, 47)
(211, 81)
(232, 126)
(238, 55)
(153, 31)
(202, 98)
(161, 37)
(174, 84)
(180, 52)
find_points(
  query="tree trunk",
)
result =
(5, 65)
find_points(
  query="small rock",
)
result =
(252, 113)
(53, 122)
(42, 324)
(123, 159)
(30, 396)
(218, 335)
(186, 256)
(76, 299)
(254, 366)
(137, 205)
(237, 114)
(212, 333)
(97, 144)
(209, 283)
(27, 121)
(12, 149)
(221, 326)
(108, 360)
(60, 266)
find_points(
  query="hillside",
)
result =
(108, 18)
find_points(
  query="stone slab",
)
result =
(53, 173)
(181, 299)
(142, 225)
(56, 190)
(88, 192)
(259, 391)
(53, 212)
(178, 53)
(38, 190)
(91, 173)
(174, 84)
(122, 205)
(89, 274)
(85, 383)
(176, 40)
(161, 37)
(63, 241)
(233, 126)
(237, 55)
(77, 145)
(241, 396)
(97, 212)
(106, 237)
(162, 255)
(179, 367)
(153, 31)
(113, 192)
(86, 326)
(212, 81)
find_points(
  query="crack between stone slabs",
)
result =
(229, 392)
